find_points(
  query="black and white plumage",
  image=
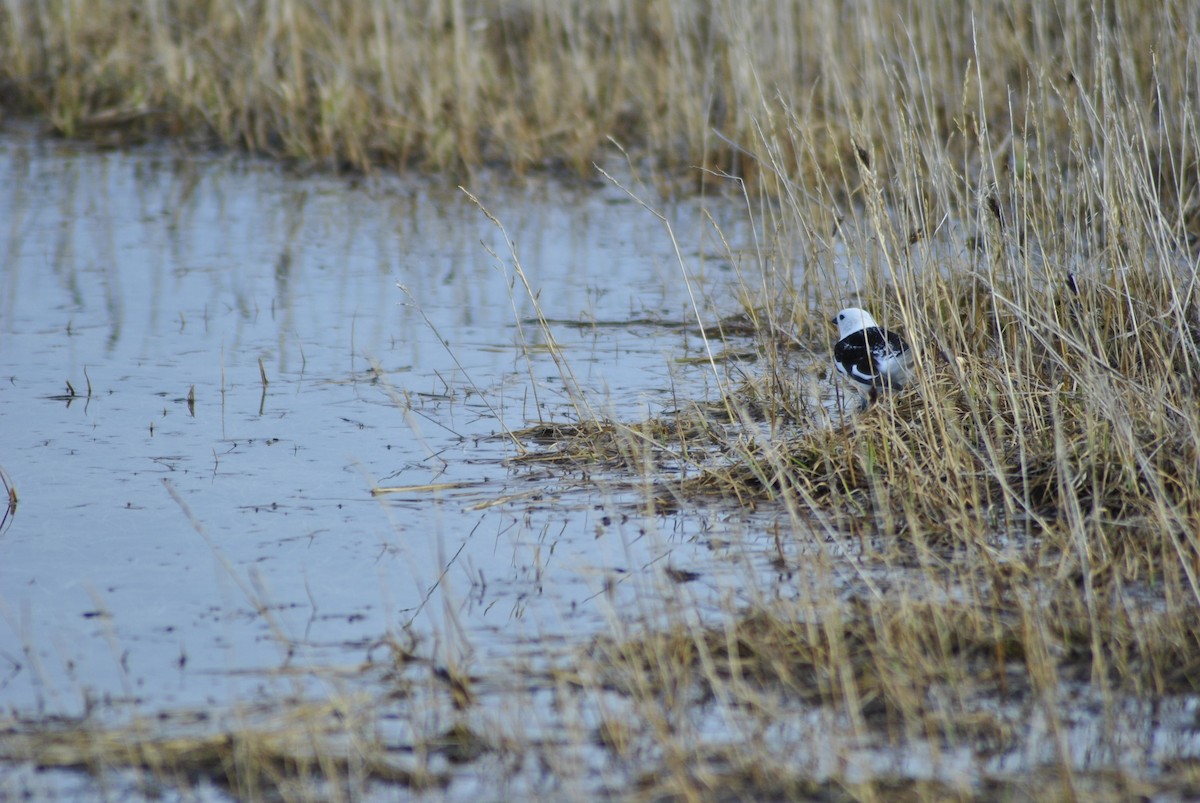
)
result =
(872, 359)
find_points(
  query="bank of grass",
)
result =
(1014, 187)
(449, 84)
(1024, 522)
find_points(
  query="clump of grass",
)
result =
(314, 751)
(592, 444)
(1034, 446)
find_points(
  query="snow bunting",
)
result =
(872, 359)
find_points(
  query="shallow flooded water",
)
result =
(260, 428)
(208, 366)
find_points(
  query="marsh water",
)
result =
(259, 429)
(208, 365)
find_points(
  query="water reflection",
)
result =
(252, 371)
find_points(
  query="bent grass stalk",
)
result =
(450, 351)
(575, 393)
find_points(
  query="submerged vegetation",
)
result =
(1015, 186)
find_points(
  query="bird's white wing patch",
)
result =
(855, 373)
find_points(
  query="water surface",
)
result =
(184, 529)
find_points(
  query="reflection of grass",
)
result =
(1016, 189)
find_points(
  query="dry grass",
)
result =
(1015, 187)
(449, 85)
(1033, 503)
(312, 752)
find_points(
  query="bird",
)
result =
(871, 358)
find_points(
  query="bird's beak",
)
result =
(833, 320)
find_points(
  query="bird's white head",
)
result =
(853, 319)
